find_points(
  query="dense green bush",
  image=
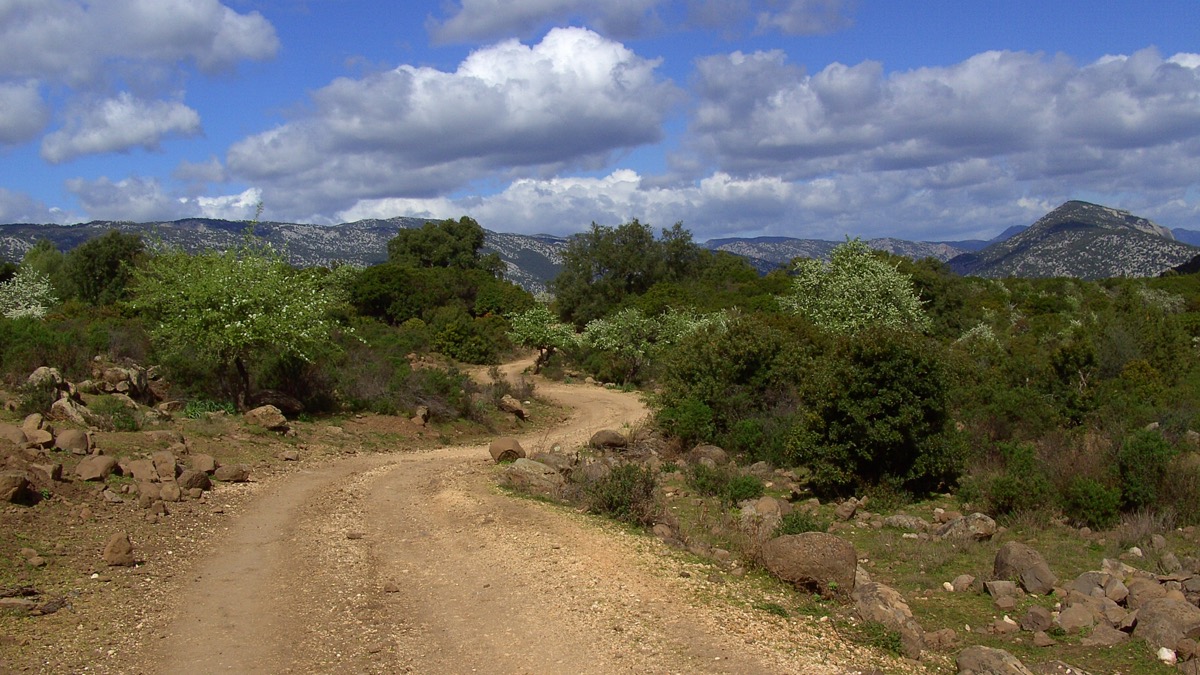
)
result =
(626, 494)
(1142, 464)
(800, 521)
(724, 482)
(876, 409)
(1023, 485)
(1089, 502)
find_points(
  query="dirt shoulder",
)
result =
(413, 561)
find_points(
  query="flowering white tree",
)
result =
(234, 306)
(634, 339)
(28, 294)
(537, 328)
(855, 290)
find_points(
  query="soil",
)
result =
(410, 560)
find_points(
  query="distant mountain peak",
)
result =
(1084, 240)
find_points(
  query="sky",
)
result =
(925, 120)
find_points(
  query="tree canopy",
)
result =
(232, 307)
(450, 243)
(855, 290)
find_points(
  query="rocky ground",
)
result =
(383, 544)
(366, 544)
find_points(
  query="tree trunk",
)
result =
(243, 384)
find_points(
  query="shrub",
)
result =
(36, 398)
(116, 413)
(876, 409)
(799, 522)
(742, 487)
(1089, 502)
(1142, 464)
(690, 421)
(1023, 486)
(626, 494)
(198, 408)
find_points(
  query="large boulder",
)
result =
(192, 479)
(14, 487)
(74, 441)
(607, 439)
(118, 551)
(1018, 562)
(1163, 622)
(267, 417)
(231, 473)
(165, 464)
(981, 660)
(883, 604)
(96, 467)
(533, 477)
(14, 434)
(511, 405)
(710, 452)
(813, 560)
(506, 449)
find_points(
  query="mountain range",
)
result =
(1077, 239)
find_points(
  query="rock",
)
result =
(1163, 622)
(232, 473)
(607, 439)
(845, 511)
(1115, 590)
(506, 449)
(118, 552)
(903, 521)
(267, 417)
(813, 560)
(49, 472)
(511, 405)
(942, 639)
(288, 405)
(1142, 590)
(45, 375)
(193, 480)
(290, 456)
(533, 477)
(1017, 561)
(66, 410)
(205, 463)
(165, 464)
(1037, 619)
(1001, 589)
(1004, 626)
(1075, 618)
(170, 492)
(980, 660)
(141, 470)
(96, 467)
(39, 438)
(883, 604)
(962, 583)
(976, 526)
(715, 453)
(14, 487)
(13, 434)
(1104, 636)
(1043, 639)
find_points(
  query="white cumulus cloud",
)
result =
(508, 109)
(74, 41)
(117, 125)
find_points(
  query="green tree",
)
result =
(605, 266)
(45, 257)
(234, 307)
(537, 328)
(855, 290)
(101, 268)
(449, 243)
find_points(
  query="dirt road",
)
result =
(416, 563)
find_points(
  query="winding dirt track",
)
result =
(415, 563)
